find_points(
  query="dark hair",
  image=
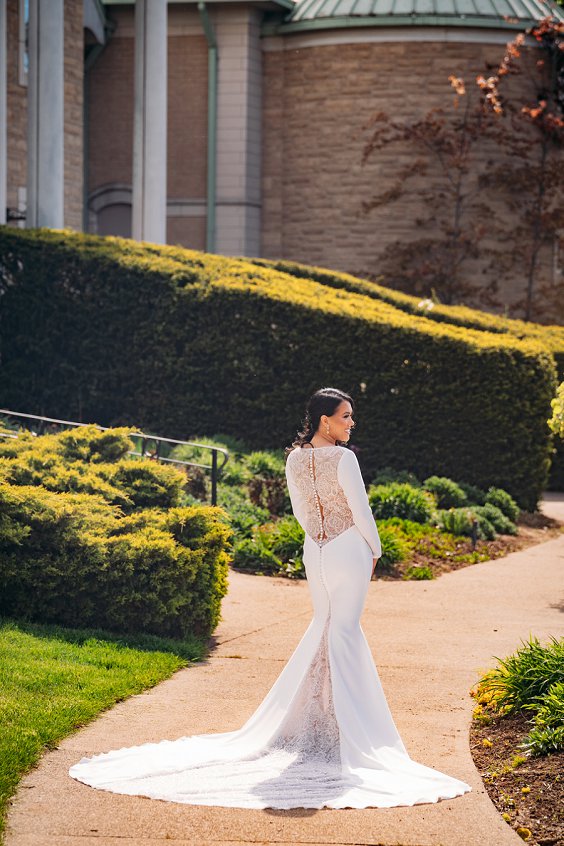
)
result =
(324, 401)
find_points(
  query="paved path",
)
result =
(430, 641)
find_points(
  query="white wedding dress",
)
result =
(324, 735)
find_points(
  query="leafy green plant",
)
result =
(448, 494)
(497, 518)
(285, 539)
(524, 678)
(244, 517)
(398, 499)
(395, 547)
(419, 574)
(460, 521)
(252, 554)
(504, 501)
(267, 482)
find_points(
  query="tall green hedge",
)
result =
(551, 337)
(114, 331)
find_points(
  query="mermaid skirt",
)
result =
(323, 736)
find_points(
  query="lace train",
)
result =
(322, 737)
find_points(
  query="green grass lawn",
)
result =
(54, 680)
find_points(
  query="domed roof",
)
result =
(498, 14)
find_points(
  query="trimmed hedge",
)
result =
(69, 555)
(551, 337)
(115, 330)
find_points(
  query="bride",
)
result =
(324, 735)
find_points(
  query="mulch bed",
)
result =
(529, 795)
(533, 529)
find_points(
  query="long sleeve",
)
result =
(350, 479)
(296, 497)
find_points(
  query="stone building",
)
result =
(234, 126)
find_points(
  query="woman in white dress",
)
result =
(323, 736)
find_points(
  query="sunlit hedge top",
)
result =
(115, 331)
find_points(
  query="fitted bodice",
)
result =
(326, 511)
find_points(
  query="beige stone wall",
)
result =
(74, 88)
(317, 102)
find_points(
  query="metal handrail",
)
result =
(146, 440)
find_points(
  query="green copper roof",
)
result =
(513, 14)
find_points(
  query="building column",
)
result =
(3, 110)
(150, 122)
(238, 204)
(45, 149)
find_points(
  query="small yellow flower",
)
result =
(524, 833)
(487, 742)
(506, 817)
(525, 790)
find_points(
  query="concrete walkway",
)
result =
(430, 641)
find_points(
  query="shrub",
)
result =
(252, 554)
(68, 554)
(401, 500)
(504, 501)
(267, 482)
(448, 494)
(497, 518)
(285, 539)
(149, 484)
(244, 517)
(395, 548)
(459, 521)
(474, 495)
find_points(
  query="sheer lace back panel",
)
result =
(327, 513)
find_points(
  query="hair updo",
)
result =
(324, 401)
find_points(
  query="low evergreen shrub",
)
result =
(398, 499)
(497, 518)
(69, 555)
(504, 501)
(253, 555)
(447, 493)
(459, 521)
(474, 495)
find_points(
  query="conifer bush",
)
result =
(89, 537)
(447, 493)
(398, 499)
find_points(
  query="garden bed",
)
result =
(453, 552)
(528, 792)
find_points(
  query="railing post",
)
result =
(214, 478)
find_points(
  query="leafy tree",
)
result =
(464, 185)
